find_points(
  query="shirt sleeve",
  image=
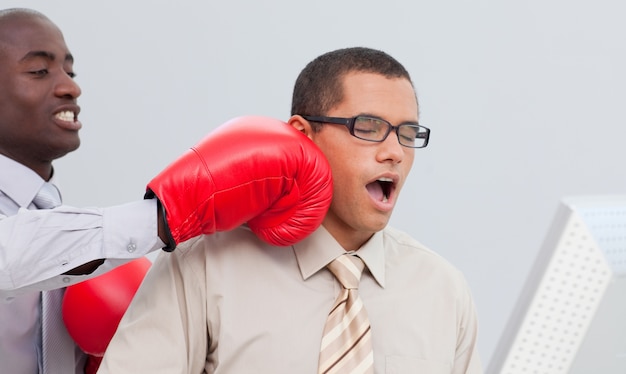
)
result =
(38, 246)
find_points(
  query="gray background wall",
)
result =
(525, 100)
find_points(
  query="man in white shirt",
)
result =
(39, 123)
(47, 249)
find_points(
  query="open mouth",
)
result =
(66, 115)
(67, 118)
(381, 189)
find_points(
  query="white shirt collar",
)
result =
(20, 183)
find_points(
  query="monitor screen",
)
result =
(571, 315)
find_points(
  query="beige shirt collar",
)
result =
(320, 248)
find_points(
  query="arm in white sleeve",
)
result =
(38, 246)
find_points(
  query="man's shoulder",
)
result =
(411, 251)
(224, 243)
(405, 242)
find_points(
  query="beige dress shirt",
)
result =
(229, 303)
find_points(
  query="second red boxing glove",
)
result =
(253, 169)
(93, 309)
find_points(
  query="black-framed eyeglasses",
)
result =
(412, 134)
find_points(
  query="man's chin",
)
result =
(66, 148)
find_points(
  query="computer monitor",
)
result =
(571, 315)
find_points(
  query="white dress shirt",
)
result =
(230, 303)
(38, 246)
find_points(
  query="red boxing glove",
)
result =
(257, 170)
(92, 309)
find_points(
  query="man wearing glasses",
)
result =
(230, 303)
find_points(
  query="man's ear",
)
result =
(301, 124)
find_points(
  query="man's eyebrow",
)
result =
(47, 55)
(35, 54)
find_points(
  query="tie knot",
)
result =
(48, 197)
(347, 269)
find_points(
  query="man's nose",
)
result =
(67, 87)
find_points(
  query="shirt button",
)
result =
(131, 247)
(66, 279)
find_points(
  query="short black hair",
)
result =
(319, 88)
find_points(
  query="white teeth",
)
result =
(385, 180)
(66, 115)
(385, 199)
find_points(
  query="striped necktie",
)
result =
(347, 342)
